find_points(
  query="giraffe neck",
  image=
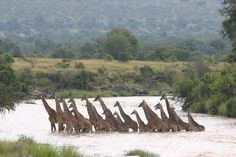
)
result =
(76, 112)
(119, 118)
(192, 121)
(123, 114)
(138, 118)
(96, 113)
(46, 106)
(147, 113)
(58, 107)
(66, 109)
(168, 108)
(150, 110)
(104, 107)
(163, 114)
(89, 109)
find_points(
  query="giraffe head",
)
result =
(89, 104)
(71, 101)
(142, 104)
(97, 98)
(84, 98)
(163, 96)
(117, 104)
(134, 112)
(57, 100)
(158, 106)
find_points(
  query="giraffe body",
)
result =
(84, 123)
(109, 116)
(51, 113)
(142, 126)
(98, 122)
(128, 121)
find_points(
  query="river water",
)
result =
(31, 120)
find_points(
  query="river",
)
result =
(219, 138)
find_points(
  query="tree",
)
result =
(65, 53)
(121, 44)
(229, 25)
(8, 84)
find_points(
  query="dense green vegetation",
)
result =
(25, 147)
(208, 91)
(8, 83)
(60, 20)
(176, 30)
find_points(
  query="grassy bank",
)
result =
(27, 147)
(207, 87)
(141, 153)
(92, 65)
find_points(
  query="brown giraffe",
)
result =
(128, 121)
(194, 125)
(98, 122)
(142, 126)
(164, 118)
(153, 120)
(84, 123)
(109, 116)
(181, 125)
(173, 121)
(62, 118)
(70, 116)
(51, 113)
(123, 127)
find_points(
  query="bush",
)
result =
(63, 65)
(108, 57)
(79, 65)
(141, 153)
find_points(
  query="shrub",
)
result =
(79, 65)
(63, 65)
(108, 57)
(141, 153)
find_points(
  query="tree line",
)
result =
(204, 89)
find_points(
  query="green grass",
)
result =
(141, 153)
(92, 65)
(25, 146)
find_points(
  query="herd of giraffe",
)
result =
(73, 120)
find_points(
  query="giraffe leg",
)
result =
(51, 126)
(54, 127)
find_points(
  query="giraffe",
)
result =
(164, 117)
(109, 116)
(98, 122)
(51, 113)
(128, 121)
(84, 123)
(175, 120)
(194, 125)
(153, 120)
(62, 118)
(142, 126)
(123, 126)
(70, 116)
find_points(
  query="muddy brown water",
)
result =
(31, 120)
